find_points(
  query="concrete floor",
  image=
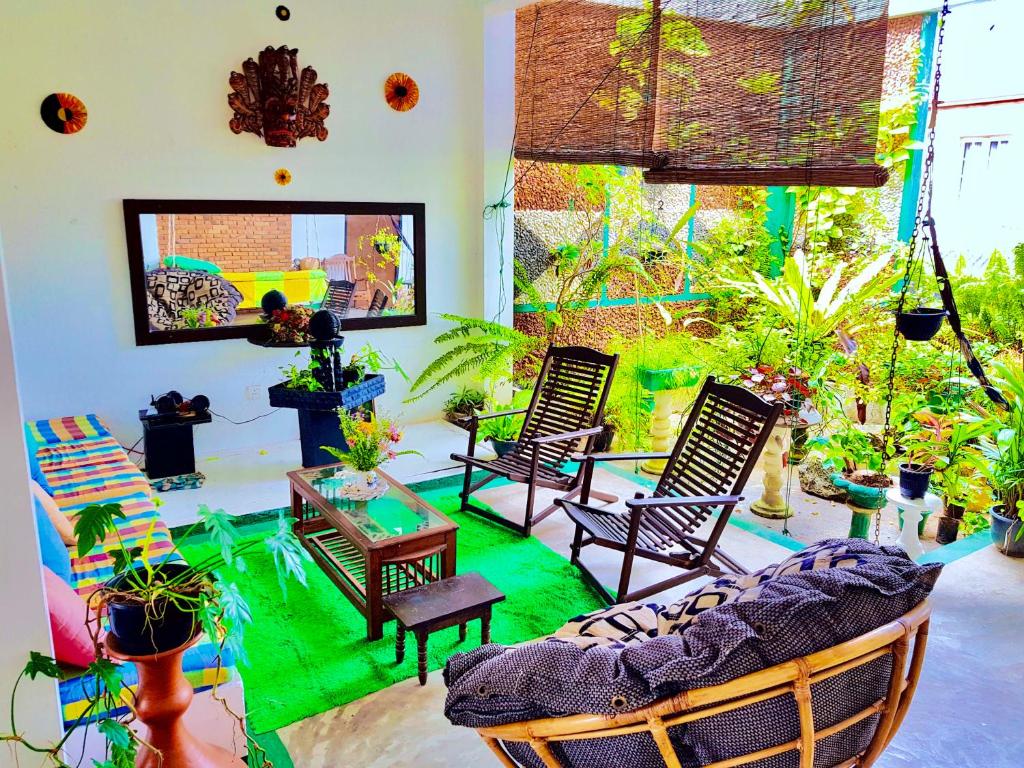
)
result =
(964, 715)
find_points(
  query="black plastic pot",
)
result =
(920, 324)
(1006, 532)
(949, 524)
(143, 630)
(914, 480)
(502, 447)
(603, 442)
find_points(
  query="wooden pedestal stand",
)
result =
(163, 697)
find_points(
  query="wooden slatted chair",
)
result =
(338, 298)
(904, 640)
(377, 303)
(706, 471)
(566, 409)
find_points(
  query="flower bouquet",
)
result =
(289, 325)
(791, 387)
(370, 442)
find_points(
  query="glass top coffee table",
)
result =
(370, 548)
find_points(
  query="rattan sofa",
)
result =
(904, 639)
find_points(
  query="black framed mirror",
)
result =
(200, 268)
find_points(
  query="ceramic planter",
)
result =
(663, 379)
(914, 479)
(142, 632)
(920, 324)
(1006, 532)
(863, 496)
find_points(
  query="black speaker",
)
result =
(200, 403)
(168, 402)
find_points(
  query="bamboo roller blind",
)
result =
(704, 91)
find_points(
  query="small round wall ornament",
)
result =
(63, 113)
(283, 177)
(282, 12)
(401, 92)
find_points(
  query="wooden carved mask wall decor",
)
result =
(272, 100)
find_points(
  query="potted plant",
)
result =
(613, 422)
(368, 361)
(369, 443)
(1005, 451)
(322, 387)
(155, 605)
(920, 451)
(386, 243)
(502, 432)
(856, 460)
(958, 462)
(460, 407)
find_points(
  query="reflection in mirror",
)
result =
(200, 269)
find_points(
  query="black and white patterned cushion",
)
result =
(795, 613)
(169, 291)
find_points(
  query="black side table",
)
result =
(169, 447)
(439, 605)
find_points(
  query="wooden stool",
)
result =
(439, 605)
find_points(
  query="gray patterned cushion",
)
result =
(632, 623)
(796, 612)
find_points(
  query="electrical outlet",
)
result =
(252, 392)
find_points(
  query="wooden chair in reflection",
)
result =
(377, 303)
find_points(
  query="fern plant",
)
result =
(481, 348)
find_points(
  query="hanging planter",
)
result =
(920, 324)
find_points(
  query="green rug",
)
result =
(309, 654)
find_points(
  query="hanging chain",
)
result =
(925, 193)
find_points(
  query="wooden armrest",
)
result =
(497, 414)
(684, 501)
(563, 436)
(619, 456)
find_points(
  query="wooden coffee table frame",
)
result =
(366, 570)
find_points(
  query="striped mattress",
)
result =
(83, 464)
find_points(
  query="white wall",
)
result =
(24, 625)
(982, 61)
(154, 78)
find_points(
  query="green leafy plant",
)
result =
(197, 317)
(465, 401)
(993, 304)
(818, 314)
(369, 360)
(950, 444)
(303, 378)
(504, 428)
(1004, 446)
(849, 449)
(203, 589)
(482, 348)
(371, 441)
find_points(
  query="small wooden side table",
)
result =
(439, 605)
